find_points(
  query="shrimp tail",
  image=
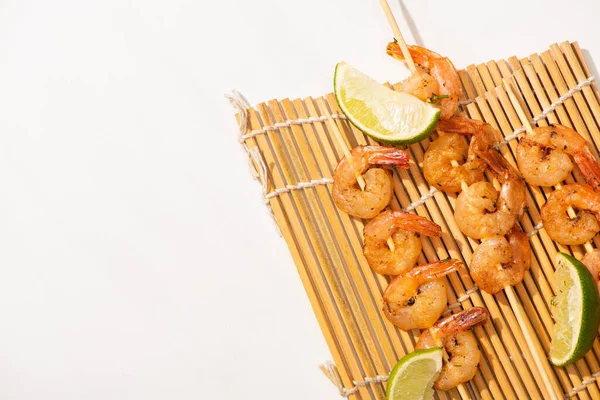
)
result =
(433, 271)
(461, 125)
(498, 165)
(589, 166)
(519, 244)
(420, 55)
(416, 223)
(393, 49)
(461, 321)
(388, 156)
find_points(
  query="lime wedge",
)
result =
(385, 115)
(577, 314)
(412, 378)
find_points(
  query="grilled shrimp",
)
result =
(462, 354)
(560, 226)
(439, 77)
(417, 298)
(483, 212)
(544, 157)
(592, 262)
(378, 190)
(438, 168)
(404, 229)
(500, 261)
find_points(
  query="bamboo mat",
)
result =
(295, 156)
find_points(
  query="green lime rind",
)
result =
(390, 117)
(413, 377)
(577, 311)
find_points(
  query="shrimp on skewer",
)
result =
(404, 229)
(513, 195)
(449, 161)
(592, 262)
(481, 211)
(501, 261)
(560, 226)
(544, 157)
(378, 191)
(439, 78)
(417, 298)
(462, 354)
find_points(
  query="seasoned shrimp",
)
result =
(417, 298)
(462, 354)
(560, 226)
(592, 261)
(378, 190)
(545, 156)
(436, 68)
(438, 167)
(511, 252)
(403, 228)
(483, 212)
(421, 85)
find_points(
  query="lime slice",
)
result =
(412, 378)
(385, 115)
(577, 314)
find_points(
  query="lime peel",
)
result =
(577, 311)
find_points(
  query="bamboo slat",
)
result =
(346, 295)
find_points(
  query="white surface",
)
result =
(128, 268)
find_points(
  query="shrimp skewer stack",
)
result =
(415, 299)
(391, 242)
(558, 144)
(484, 211)
(560, 220)
(391, 245)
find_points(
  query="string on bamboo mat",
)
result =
(584, 383)
(288, 124)
(301, 121)
(548, 110)
(256, 164)
(330, 370)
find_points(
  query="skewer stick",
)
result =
(396, 29)
(517, 105)
(407, 57)
(342, 143)
(519, 313)
(340, 139)
(512, 298)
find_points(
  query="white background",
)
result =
(136, 258)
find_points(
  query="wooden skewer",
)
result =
(342, 143)
(519, 311)
(337, 134)
(407, 57)
(396, 29)
(510, 293)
